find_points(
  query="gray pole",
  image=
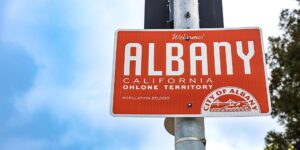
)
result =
(186, 14)
(189, 132)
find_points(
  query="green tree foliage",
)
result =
(284, 60)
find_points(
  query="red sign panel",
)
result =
(205, 72)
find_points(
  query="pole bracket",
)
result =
(202, 140)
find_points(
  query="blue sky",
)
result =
(55, 74)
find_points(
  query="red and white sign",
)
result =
(205, 72)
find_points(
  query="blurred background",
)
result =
(55, 77)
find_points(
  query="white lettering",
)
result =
(194, 58)
(170, 59)
(246, 58)
(151, 71)
(129, 58)
(227, 46)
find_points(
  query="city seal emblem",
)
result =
(230, 100)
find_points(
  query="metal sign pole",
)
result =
(189, 132)
(159, 14)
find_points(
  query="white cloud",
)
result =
(238, 133)
(256, 13)
(157, 138)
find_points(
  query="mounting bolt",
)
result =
(187, 15)
(187, 39)
(189, 105)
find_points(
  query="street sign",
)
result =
(201, 72)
